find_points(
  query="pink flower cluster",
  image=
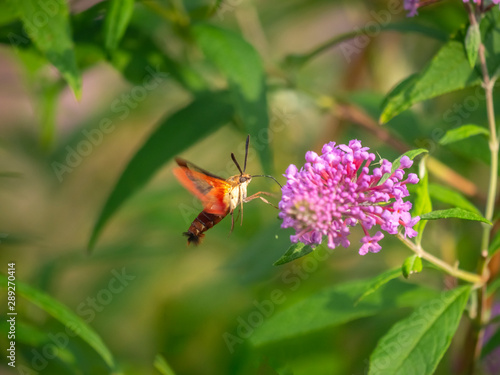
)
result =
(335, 191)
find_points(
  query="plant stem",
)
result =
(470, 277)
(482, 268)
(365, 32)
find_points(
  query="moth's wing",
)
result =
(210, 189)
(186, 164)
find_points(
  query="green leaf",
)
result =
(62, 313)
(448, 71)
(235, 57)
(492, 344)
(491, 38)
(450, 196)
(48, 111)
(116, 22)
(138, 53)
(412, 154)
(472, 43)
(457, 213)
(378, 281)
(494, 244)
(415, 345)
(140, 48)
(36, 337)
(51, 34)
(295, 251)
(8, 12)
(172, 136)
(27, 334)
(412, 264)
(241, 64)
(463, 132)
(162, 366)
(334, 306)
(492, 288)
(423, 202)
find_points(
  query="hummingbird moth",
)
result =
(219, 196)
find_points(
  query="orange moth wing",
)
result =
(210, 189)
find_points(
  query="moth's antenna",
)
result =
(246, 153)
(235, 162)
(262, 175)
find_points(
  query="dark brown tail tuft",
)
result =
(192, 238)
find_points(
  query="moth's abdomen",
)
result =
(203, 222)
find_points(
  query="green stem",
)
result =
(367, 32)
(493, 144)
(482, 267)
(470, 277)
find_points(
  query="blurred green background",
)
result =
(182, 301)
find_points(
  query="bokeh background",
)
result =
(181, 301)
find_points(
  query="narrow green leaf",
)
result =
(36, 337)
(457, 213)
(463, 132)
(492, 344)
(415, 345)
(450, 196)
(137, 53)
(211, 111)
(47, 25)
(423, 202)
(116, 22)
(295, 251)
(492, 288)
(62, 313)
(28, 334)
(393, 103)
(48, 111)
(472, 43)
(448, 71)
(494, 244)
(412, 154)
(334, 306)
(490, 35)
(162, 366)
(378, 281)
(241, 64)
(412, 264)
(140, 48)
